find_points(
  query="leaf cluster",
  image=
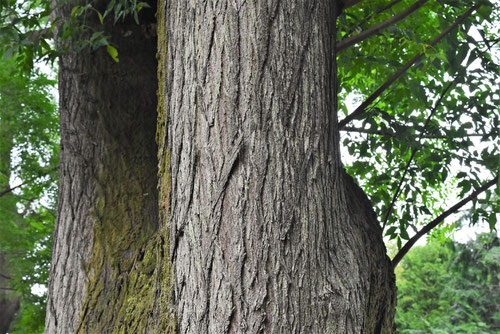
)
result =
(28, 29)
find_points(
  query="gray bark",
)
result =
(261, 230)
(268, 234)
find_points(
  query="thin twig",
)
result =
(458, 156)
(345, 43)
(369, 17)
(394, 135)
(5, 192)
(5, 276)
(361, 109)
(409, 244)
(27, 207)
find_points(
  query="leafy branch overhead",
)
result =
(28, 29)
(416, 111)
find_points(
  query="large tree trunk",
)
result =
(260, 230)
(268, 234)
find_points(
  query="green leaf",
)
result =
(485, 12)
(404, 234)
(101, 19)
(113, 52)
(391, 230)
(465, 185)
(73, 11)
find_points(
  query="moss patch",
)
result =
(129, 273)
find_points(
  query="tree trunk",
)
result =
(260, 230)
(107, 210)
(9, 301)
(268, 233)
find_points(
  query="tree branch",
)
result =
(5, 276)
(5, 192)
(27, 207)
(414, 151)
(458, 156)
(344, 44)
(368, 18)
(394, 135)
(350, 3)
(361, 109)
(409, 244)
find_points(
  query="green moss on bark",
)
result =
(168, 323)
(129, 274)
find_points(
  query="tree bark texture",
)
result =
(101, 278)
(267, 232)
(260, 230)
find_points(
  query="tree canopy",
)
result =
(425, 93)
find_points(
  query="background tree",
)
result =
(29, 153)
(450, 288)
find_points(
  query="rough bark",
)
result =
(267, 232)
(261, 230)
(103, 259)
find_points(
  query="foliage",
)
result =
(440, 116)
(29, 152)
(450, 288)
(25, 31)
(28, 28)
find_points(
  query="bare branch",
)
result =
(27, 207)
(409, 244)
(361, 109)
(344, 44)
(460, 157)
(5, 192)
